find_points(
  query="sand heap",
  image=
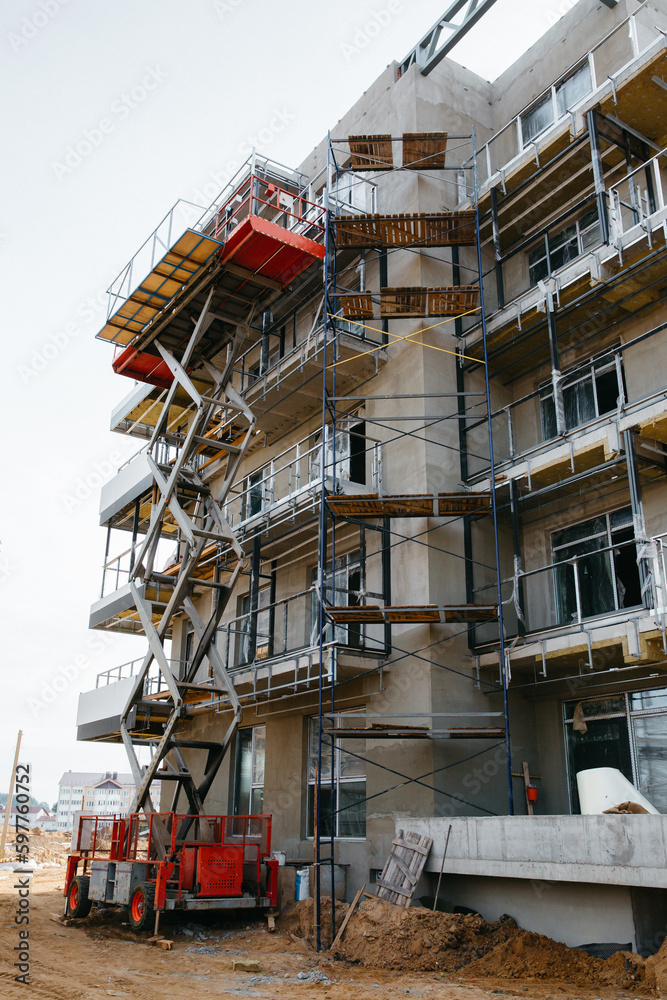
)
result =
(417, 940)
(45, 848)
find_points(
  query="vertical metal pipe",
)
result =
(516, 544)
(494, 501)
(386, 578)
(598, 176)
(135, 530)
(384, 281)
(500, 286)
(637, 510)
(254, 596)
(322, 541)
(264, 349)
(106, 559)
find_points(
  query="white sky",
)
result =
(214, 74)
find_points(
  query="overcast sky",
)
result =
(111, 112)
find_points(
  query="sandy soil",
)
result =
(101, 957)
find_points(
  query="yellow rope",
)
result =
(409, 337)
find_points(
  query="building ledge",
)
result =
(607, 849)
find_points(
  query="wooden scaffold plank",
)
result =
(424, 150)
(371, 152)
(440, 229)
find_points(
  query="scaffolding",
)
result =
(273, 310)
(442, 236)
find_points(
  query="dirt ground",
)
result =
(101, 957)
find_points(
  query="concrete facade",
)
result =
(573, 255)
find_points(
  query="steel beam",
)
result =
(428, 52)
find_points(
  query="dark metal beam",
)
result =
(427, 53)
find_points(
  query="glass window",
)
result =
(564, 246)
(342, 589)
(571, 90)
(596, 582)
(249, 783)
(263, 627)
(587, 392)
(343, 792)
(259, 492)
(650, 738)
(556, 104)
(628, 732)
(642, 700)
(537, 119)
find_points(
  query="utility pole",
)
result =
(10, 796)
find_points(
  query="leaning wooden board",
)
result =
(403, 867)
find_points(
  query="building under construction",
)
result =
(395, 528)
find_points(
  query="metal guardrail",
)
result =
(628, 41)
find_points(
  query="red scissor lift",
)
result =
(264, 231)
(171, 861)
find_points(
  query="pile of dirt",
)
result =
(416, 939)
(298, 920)
(45, 848)
(385, 936)
(533, 956)
(655, 969)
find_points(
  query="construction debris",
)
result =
(383, 936)
(245, 965)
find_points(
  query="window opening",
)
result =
(345, 808)
(249, 778)
(564, 246)
(588, 393)
(626, 731)
(606, 581)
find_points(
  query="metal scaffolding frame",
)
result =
(335, 410)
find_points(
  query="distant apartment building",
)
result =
(104, 794)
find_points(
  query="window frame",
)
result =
(580, 230)
(254, 785)
(559, 563)
(628, 713)
(551, 96)
(339, 779)
(595, 369)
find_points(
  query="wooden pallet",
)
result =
(419, 302)
(371, 152)
(441, 229)
(403, 867)
(411, 614)
(357, 305)
(406, 505)
(424, 150)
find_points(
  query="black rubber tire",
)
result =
(141, 906)
(78, 904)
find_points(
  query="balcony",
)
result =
(271, 654)
(596, 608)
(116, 610)
(617, 74)
(99, 711)
(539, 441)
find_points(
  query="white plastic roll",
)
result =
(603, 788)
